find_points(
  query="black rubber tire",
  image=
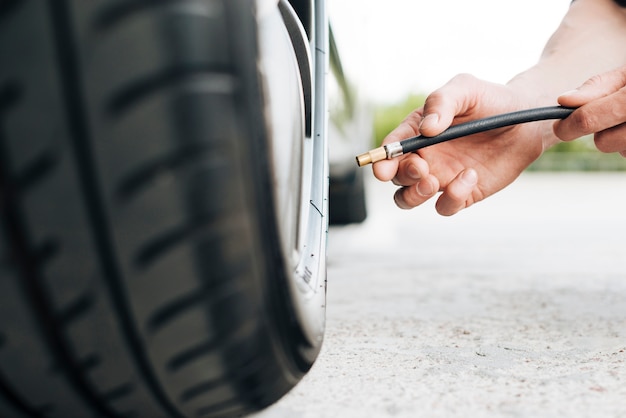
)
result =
(141, 273)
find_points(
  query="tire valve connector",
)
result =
(386, 152)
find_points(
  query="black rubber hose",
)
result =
(486, 124)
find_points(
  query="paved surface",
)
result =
(516, 307)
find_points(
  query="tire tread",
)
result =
(84, 269)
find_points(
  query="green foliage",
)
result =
(584, 144)
(387, 117)
(578, 155)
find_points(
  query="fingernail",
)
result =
(424, 188)
(430, 119)
(399, 201)
(469, 177)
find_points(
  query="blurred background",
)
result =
(397, 51)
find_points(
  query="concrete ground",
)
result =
(515, 307)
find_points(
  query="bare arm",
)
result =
(591, 39)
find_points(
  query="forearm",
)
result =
(590, 40)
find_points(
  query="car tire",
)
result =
(143, 271)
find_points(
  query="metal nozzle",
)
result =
(378, 154)
(371, 156)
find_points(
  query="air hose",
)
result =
(395, 149)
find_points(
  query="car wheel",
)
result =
(152, 262)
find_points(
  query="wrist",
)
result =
(540, 86)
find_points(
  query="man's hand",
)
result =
(465, 170)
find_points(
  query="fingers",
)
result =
(460, 99)
(459, 193)
(411, 169)
(596, 87)
(419, 185)
(455, 98)
(386, 170)
(596, 116)
(411, 196)
(612, 139)
(602, 101)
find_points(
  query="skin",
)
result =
(601, 103)
(589, 41)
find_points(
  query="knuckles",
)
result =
(613, 140)
(581, 123)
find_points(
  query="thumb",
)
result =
(594, 88)
(443, 105)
